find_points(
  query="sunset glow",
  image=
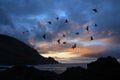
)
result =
(61, 55)
(64, 29)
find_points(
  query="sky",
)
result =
(27, 20)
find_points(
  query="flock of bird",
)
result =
(77, 33)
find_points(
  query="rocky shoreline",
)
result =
(104, 68)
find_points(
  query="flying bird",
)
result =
(87, 28)
(95, 10)
(66, 21)
(74, 46)
(58, 41)
(63, 35)
(23, 32)
(49, 22)
(27, 31)
(64, 42)
(44, 36)
(77, 33)
(91, 38)
(96, 25)
(57, 18)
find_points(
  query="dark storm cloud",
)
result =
(25, 7)
(5, 18)
(108, 20)
(26, 15)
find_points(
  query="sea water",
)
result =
(59, 68)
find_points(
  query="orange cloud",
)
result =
(87, 50)
(60, 55)
(84, 45)
(109, 40)
(53, 49)
(43, 23)
(75, 25)
(31, 42)
(42, 46)
(86, 24)
(61, 34)
(49, 32)
(110, 33)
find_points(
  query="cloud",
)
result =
(5, 19)
(112, 51)
(31, 17)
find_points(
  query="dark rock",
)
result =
(104, 62)
(74, 73)
(106, 68)
(15, 52)
(27, 73)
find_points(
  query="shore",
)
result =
(107, 68)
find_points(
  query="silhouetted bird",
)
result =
(63, 35)
(96, 25)
(27, 31)
(74, 46)
(77, 33)
(95, 10)
(58, 41)
(66, 21)
(64, 42)
(23, 32)
(57, 18)
(44, 36)
(91, 38)
(49, 22)
(87, 28)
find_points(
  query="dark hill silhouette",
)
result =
(106, 68)
(108, 62)
(73, 73)
(27, 73)
(103, 69)
(15, 52)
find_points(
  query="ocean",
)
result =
(59, 68)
